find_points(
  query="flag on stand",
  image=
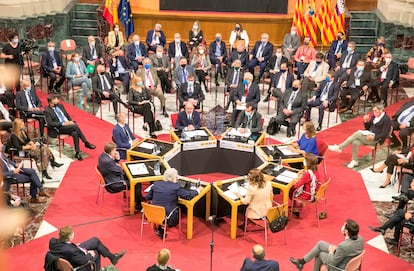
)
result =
(323, 20)
(310, 24)
(108, 12)
(125, 16)
(298, 18)
(338, 17)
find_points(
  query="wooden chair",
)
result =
(405, 230)
(64, 265)
(322, 148)
(377, 146)
(173, 117)
(156, 215)
(409, 76)
(353, 265)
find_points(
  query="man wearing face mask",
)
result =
(303, 56)
(281, 81)
(188, 119)
(218, 55)
(115, 38)
(190, 92)
(273, 66)
(250, 121)
(29, 105)
(136, 52)
(337, 48)
(233, 80)
(119, 66)
(182, 72)
(348, 59)
(92, 52)
(291, 43)
(355, 82)
(161, 63)
(388, 76)
(260, 55)
(325, 97)
(155, 37)
(152, 82)
(291, 108)
(122, 135)
(52, 66)
(337, 256)
(13, 59)
(177, 49)
(240, 54)
(315, 73)
(248, 92)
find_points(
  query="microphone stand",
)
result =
(211, 219)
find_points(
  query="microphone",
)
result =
(212, 219)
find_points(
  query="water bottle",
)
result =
(157, 168)
(198, 183)
(155, 149)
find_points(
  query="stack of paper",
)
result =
(287, 176)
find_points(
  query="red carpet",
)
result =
(74, 204)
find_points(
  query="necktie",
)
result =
(348, 60)
(246, 90)
(53, 57)
(189, 117)
(292, 97)
(105, 84)
(127, 134)
(31, 99)
(9, 166)
(325, 90)
(151, 82)
(316, 67)
(406, 115)
(277, 64)
(190, 90)
(93, 52)
(249, 122)
(137, 50)
(338, 47)
(60, 115)
(184, 76)
(235, 78)
(283, 83)
(260, 51)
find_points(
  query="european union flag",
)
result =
(125, 16)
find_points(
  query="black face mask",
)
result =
(294, 88)
(183, 65)
(102, 73)
(282, 70)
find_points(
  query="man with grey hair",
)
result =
(155, 37)
(260, 55)
(52, 66)
(166, 193)
(260, 263)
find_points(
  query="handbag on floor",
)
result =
(279, 223)
(271, 126)
(158, 125)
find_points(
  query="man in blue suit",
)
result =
(338, 47)
(122, 135)
(218, 55)
(248, 92)
(182, 72)
(136, 52)
(119, 66)
(260, 264)
(155, 37)
(188, 119)
(190, 92)
(52, 66)
(260, 55)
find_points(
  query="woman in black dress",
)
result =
(195, 35)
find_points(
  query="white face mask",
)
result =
(263, 40)
(388, 60)
(159, 54)
(201, 51)
(278, 54)
(51, 49)
(76, 59)
(293, 33)
(136, 43)
(92, 44)
(116, 29)
(177, 40)
(15, 41)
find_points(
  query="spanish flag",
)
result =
(110, 12)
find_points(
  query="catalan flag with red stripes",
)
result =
(310, 23)
(298, 17)
(338, 17)
(323, 20)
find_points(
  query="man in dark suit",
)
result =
(52, 66)
(119, 66)
(348, 59)
(155, 37)
(354, 82)
(325, 97)
(250, 121)
(337, 48)
(260, 55)
(273, 66)
(259, 264)
(29, 105)
(388, 76)
(182, 71)
(136, 52)
(177, 49)
(291, 42)
(218, 54)
(240, 54)
(92, 52)
(59, 122)
(190, 92)
(122, 135)
(338, 256)
(291, 108)
(166, 193)
(281, 81)
(111, 171)
(161, 63)
(103, 88)
(188, 119)
(248, 92)
(83, 253)
(234, 79)
(403, 121)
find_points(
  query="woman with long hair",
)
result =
(238, 35)
(201, 63)
(195, 35)
(307, 142)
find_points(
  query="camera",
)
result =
(28, 45)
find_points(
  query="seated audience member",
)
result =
(259, 262)
(182, 71)
(377, 129)
(119, 68)
(325, 97)
(59, 122)
(291, 43)
(78, 75)
(248, 92)
(403, 121)
(20, 141)
(388, 76)
(218, 55)
(233, 80)
(136, 52)
(239, 54)
(376, 53)
(52, 66)
(115, 178)
(188, 119)
(397, 221)
(151, 81)
(115, 38)
(155, 37)
(22, 175)
(238, 36)
(291, 108)
(90, 250)
(202, 65)
(166, 193)
(281, 81)
(355, 82)
(29, 105)
(273, 66)
(122, 135)
(8, 98)
(348, 59)
(303, 56)
(163, 257)
(92, 53)
(315, 73)
(103, 86)
(195, 36)
(307, 141)
(250, 121)
(161, 63)
(259, 196)
(337, 48)
(306, 187)
(407, 190)
(260, 55)
(191, 92)
(338, 256)
(139, 99)
(177, 49)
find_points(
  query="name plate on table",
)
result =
(173, 152)
(237, 146)
(261, 154)
(197, 145)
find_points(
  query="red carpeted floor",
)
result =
(74, 204)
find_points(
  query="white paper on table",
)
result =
(195, 133)
(148, 188)
(286, 150)
(138, 169)
(230, 195)
(236, 188)
(241, 107)
(290, 174)
(284, 179)
(366, 132)
(146, 145)
(235, 132)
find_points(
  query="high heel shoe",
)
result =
(383, 186)
(55, 164)
(46, 175)
(373, 170)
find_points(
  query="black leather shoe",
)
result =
(288, 133)
(46, 175)
(165, 114)
(144, 127)
(90, 146)
(55, 164)
(117, 257)
(160, 233)
(78, 156)
(400, 197)
(319, 128)
(153, 136)
(296, 262)
(377, 229)
(293, 132)
(391, 241)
